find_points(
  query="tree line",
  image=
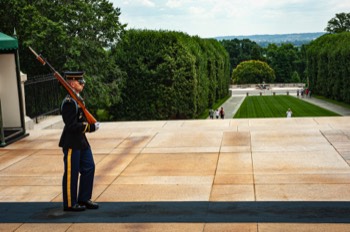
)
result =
(287, 61)
(170, 75)
(72, 35)
(134, 75)
(143, 74)
(328, 66)
(291, 63)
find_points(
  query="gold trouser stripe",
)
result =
(69, 177)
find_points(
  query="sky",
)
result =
(213, 18)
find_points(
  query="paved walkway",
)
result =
(327, 105)
(260, 175)
(231, 106)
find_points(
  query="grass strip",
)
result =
(276, 106)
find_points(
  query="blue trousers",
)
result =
(77, 161)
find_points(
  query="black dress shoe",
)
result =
(89, 204)
(75, 208)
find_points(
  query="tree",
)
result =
(295, 77)
(170, 75)
(253, 72)
(284, 60)
(242, 50)
(71, 35)
(328, 62)
(340, 23)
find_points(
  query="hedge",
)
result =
(328, 66)
(170, 75)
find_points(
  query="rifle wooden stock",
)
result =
(89, 117)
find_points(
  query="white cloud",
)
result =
(175, 3)
(134, 3)
(147, 3)
(196, 10)
(210, 18)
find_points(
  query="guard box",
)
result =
(12, 118)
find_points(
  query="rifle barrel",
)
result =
(90, 118)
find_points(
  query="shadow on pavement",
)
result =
(211, 212)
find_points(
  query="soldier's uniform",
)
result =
(78, 156)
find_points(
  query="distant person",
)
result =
(217, 114)
(211, 114)
(289, 113)
(222, 113)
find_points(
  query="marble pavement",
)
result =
(258, 175)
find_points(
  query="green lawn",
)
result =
(276, 106)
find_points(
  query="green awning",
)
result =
(7, 42)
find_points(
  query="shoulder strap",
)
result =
(68, 98)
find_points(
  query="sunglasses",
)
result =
(81, 81)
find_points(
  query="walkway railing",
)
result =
(271, 85)
(43, 96)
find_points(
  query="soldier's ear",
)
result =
(71, 83)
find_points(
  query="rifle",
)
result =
(89, 117)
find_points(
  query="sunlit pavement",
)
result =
(188, 175)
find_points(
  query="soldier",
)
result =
(78, 157)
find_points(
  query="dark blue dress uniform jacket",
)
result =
(73, 135)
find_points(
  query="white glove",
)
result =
(97, 125)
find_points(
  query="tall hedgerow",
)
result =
(170, 75)
(328, 66)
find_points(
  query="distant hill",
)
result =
(263, 40)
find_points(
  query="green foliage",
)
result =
(103, 115)
(295, 77)
(253, 71)
(276, 106)
(242, 50)
(284, 59)
(328, 62)
(170, 75)
(72, 35)
(340, 23)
